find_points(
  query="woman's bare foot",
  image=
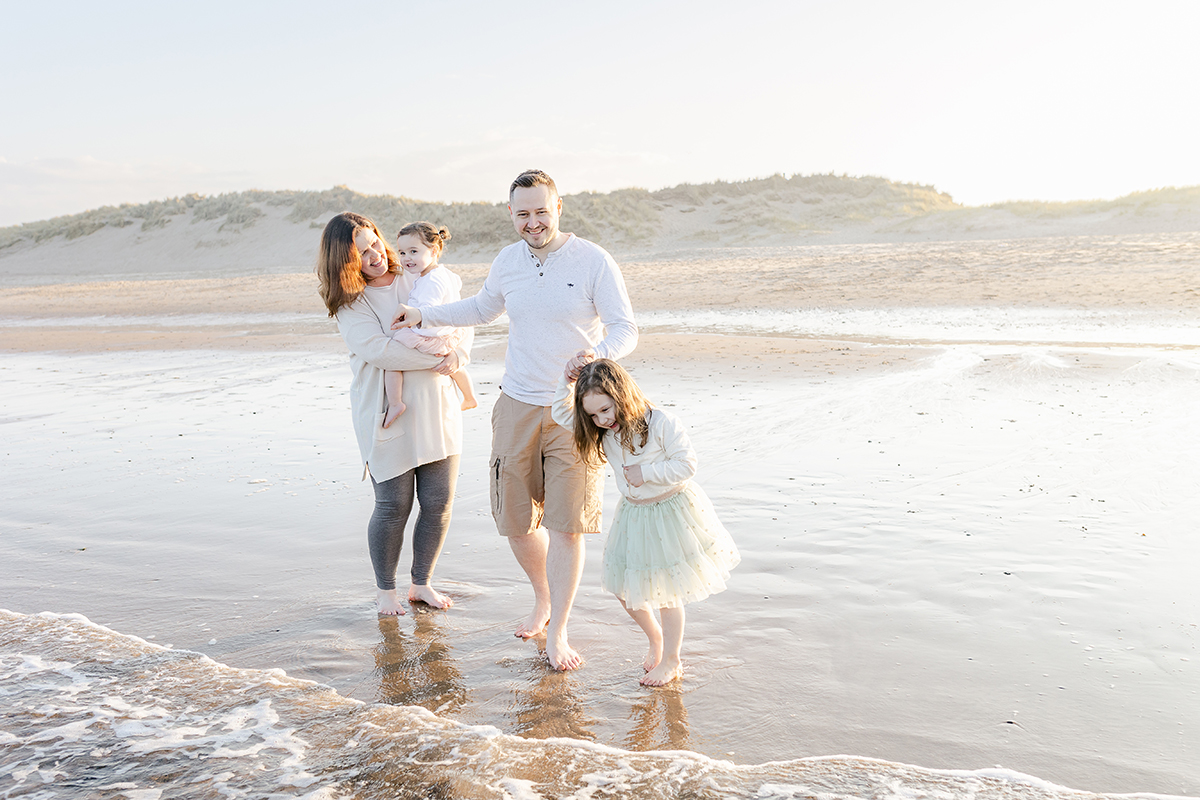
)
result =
(535, 623)
(388, 602)
(668, 670)
(394, 410)
(562, 656)
(428, 595)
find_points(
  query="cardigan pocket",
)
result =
(383, 434)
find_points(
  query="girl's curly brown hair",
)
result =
(630, 406)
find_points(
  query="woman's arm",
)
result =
(365, 338)
(460, 356)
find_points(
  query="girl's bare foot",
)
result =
(428, 595)
(469, 403)
(653, 656)
(535, 623)
(667, 670)
(394, 410)
(388, 602)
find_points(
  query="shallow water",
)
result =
(89, 712)
(977, 554)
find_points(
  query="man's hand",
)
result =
(581, 360)
(633, 475)
(406, 317)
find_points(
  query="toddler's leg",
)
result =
(463, 381)
(670, 667)
(644, 617)
(393, 386)
(433, 345)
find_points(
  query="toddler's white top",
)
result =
(436, 287)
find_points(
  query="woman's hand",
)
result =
(449, 364)
(581, 360)
(406, 317)
(633, 475)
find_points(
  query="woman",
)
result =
(362, 286)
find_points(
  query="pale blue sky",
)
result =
(118, 102)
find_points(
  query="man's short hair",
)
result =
(530, 178)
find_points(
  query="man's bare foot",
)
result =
(469, 403)
(394, 410)
(561, 656)
(428, 595)
(388, 602)
(535, 623)
(668, 670)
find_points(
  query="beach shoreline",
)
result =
(956, 553)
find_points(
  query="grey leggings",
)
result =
(434, 490)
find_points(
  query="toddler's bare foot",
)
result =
(469, 403)
(535, 623)
(668, 669)
(562, 656)
(394, 410)
(429, 596)
(388, 602)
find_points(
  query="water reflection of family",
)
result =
(565, 407)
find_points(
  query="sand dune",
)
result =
(258, 232)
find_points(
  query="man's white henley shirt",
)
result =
(575, 301)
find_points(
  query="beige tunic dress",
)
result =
(431, 428)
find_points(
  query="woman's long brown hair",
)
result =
(339, 265)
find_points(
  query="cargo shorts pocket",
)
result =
(496, 485)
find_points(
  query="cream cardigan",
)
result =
(430, 429)
(668, 460)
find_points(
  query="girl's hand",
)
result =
(449, 364)
(581, 360)
(406, 317)
(633, 475)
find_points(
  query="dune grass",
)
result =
(624, 219)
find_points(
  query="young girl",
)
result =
(666, 546)
(418, 246)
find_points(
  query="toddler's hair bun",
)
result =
(444, 233)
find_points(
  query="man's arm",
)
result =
(486, 306)
(616, 313)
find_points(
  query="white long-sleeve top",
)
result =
(437, 287)
(667, 460)
(431, 429)
(575, 301)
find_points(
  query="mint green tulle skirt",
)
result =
(669, 553)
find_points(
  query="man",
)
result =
(566, 304)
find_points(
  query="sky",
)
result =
(126, 102)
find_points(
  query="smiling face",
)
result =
(535, 211)
(416, 257)
(372, 254)
(603, 411)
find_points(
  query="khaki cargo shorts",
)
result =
(536, 476)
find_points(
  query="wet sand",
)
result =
(955, 555)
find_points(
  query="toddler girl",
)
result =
(418, 245)
(666, 546)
